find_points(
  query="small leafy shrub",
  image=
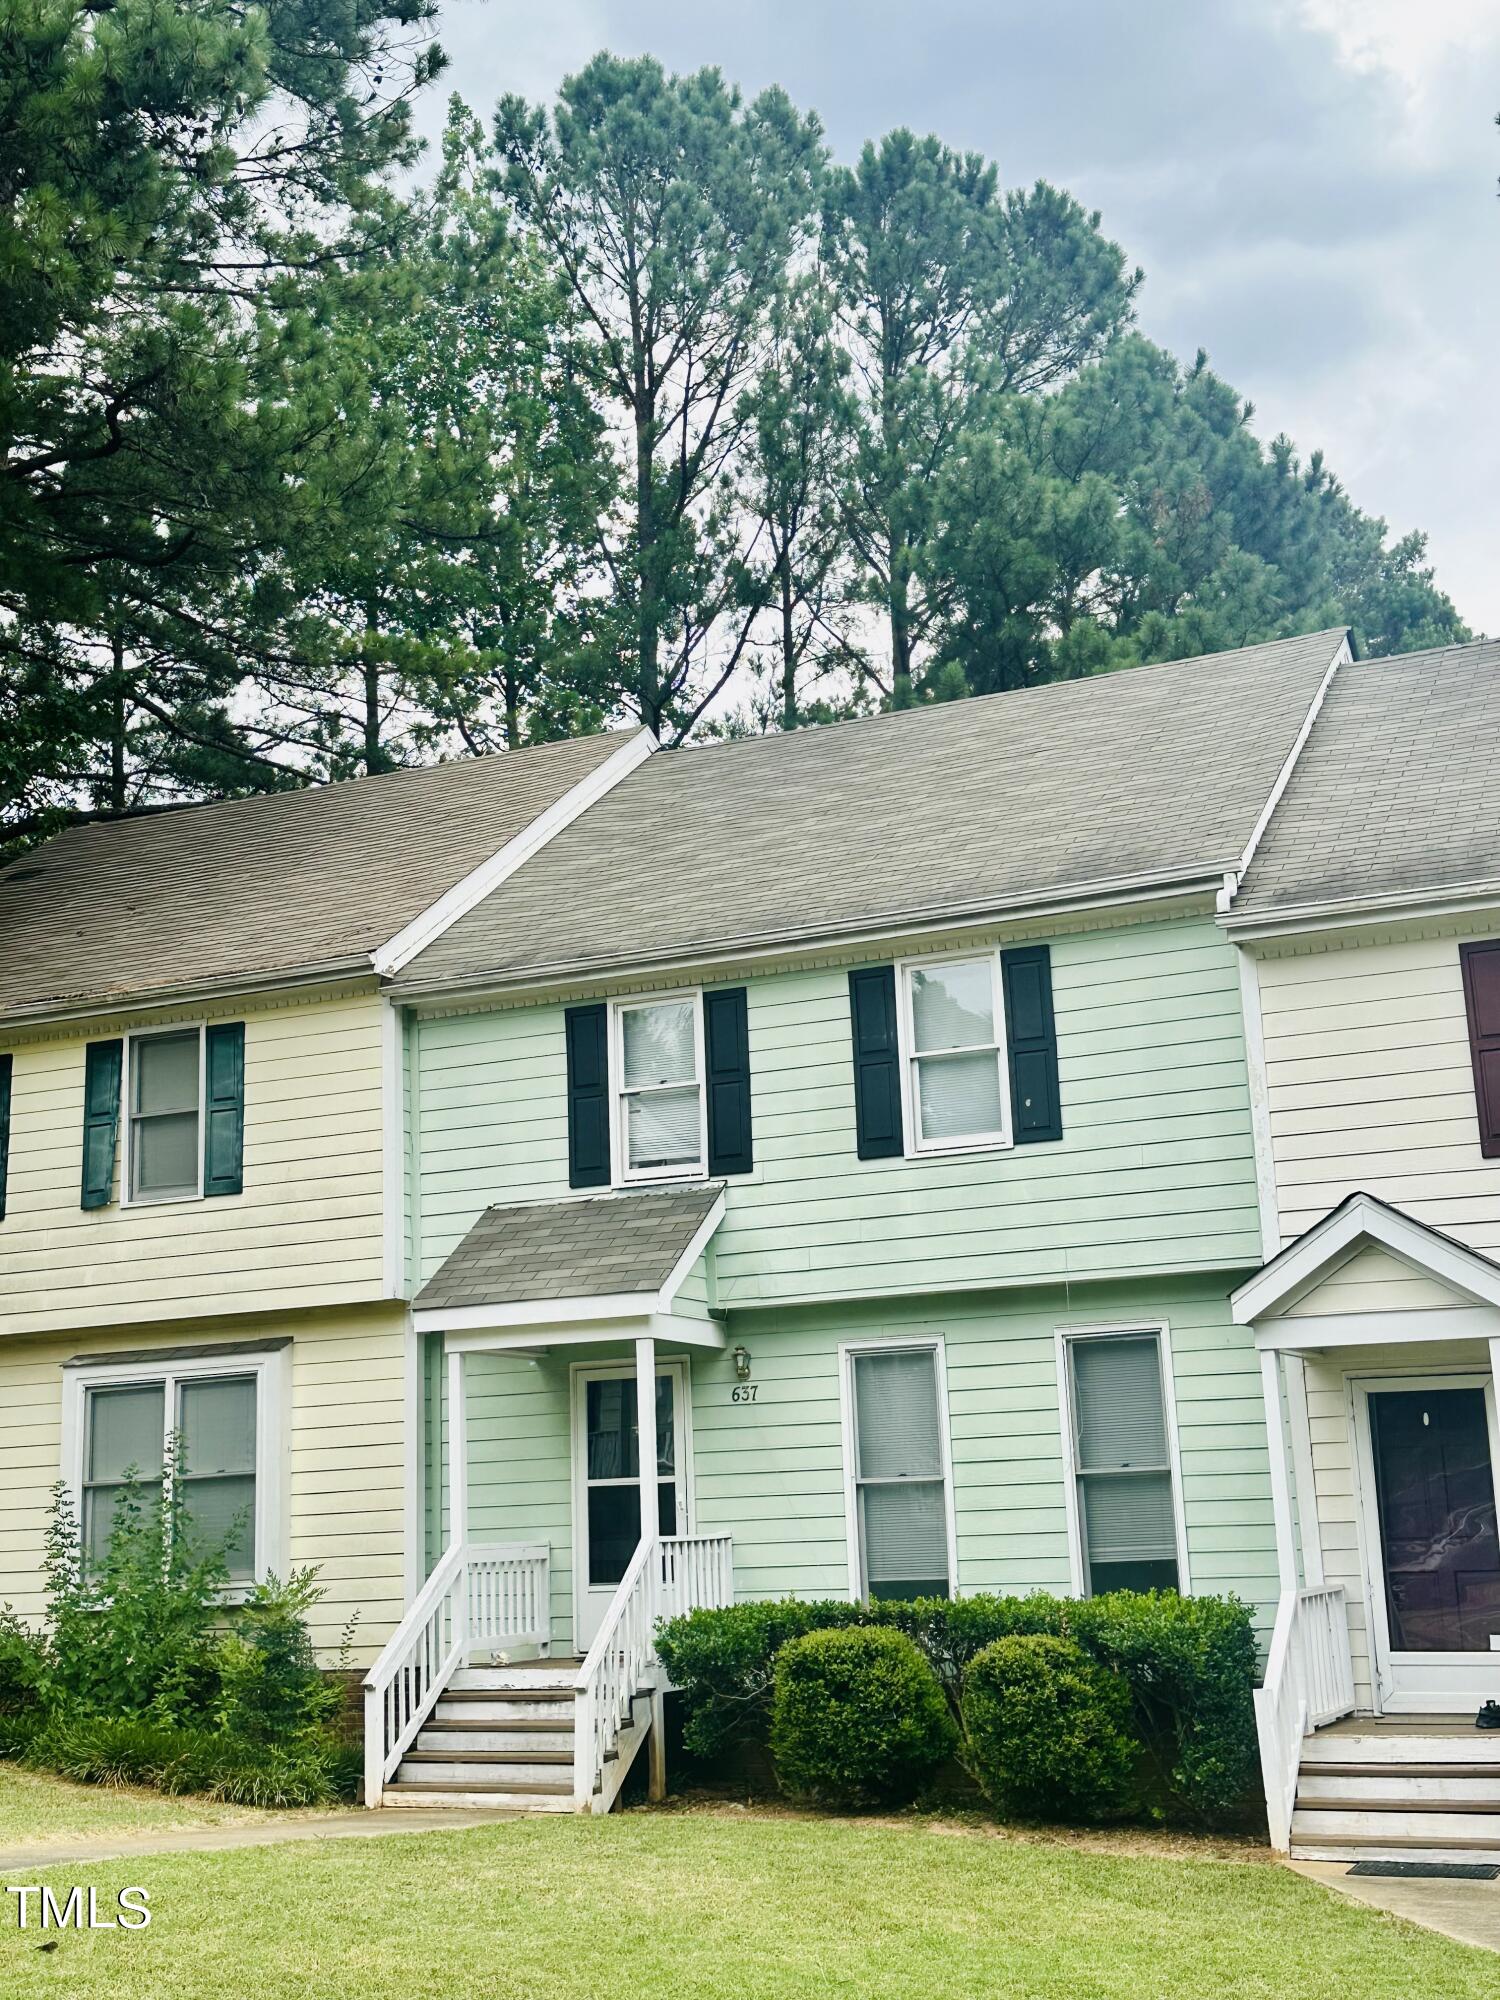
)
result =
(724, 1664)
(23, 1666)
(1048, 1732)
(270, 1689)
(858, 1718)
(133, 1750)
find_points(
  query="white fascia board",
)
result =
(690, 1256)
(1233, 880)
(1354, 912)
(1377, 1329)
(500, 866)
(530, 1314)
(667, 1328)
(1330, 1242)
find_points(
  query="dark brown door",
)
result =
(1436, 1496)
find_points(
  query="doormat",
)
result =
(1445, 1871)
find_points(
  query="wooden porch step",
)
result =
(558, 1725)
(503, 1694)
(488, 1757)
(524, 1787)
(1399, 1771)
(1398, 1805)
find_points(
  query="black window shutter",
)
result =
(587, 1033)
(1031, 1043)
(5, 1071)
(1481, 968)
(101, 1119)
(726, 1036)
(877, 1063)
(224, 1109)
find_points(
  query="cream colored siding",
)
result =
(1370, 1086)
(342, 1449)
(306, 1231)
(1375, 1281)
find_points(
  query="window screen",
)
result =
(660, 1089)
(955, 1053)
(899, 1481)
(165, 1080)
(126, 1433)
(1126, 1513)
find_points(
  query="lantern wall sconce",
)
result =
(741, 1359)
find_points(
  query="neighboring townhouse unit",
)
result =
(834, 1150)
(201, 1160)
(1369, 924)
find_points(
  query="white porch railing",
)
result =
(1309, 1681)
(481, 1595)
(667, 1576)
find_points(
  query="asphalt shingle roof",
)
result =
(1396, 792)
(586, 1247)
(1159, 772)
(296, 882)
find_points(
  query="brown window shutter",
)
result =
(1481, 966)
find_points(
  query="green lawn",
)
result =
(695, 1906)
(37, 1809)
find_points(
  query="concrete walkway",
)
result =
(1468, 1911)
(129, 1843)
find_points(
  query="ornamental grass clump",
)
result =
(857, 1718)
(1048, 1733)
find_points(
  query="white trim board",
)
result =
(430, 924)
(534, 1338)
(1235, 876)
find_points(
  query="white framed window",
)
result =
(1126, 1529)
(164, 1089)
(951, 1021)
(660, 1117)
(228, 1409)
(898, 1478)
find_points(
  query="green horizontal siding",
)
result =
(1154, 1172)
(771, 1473)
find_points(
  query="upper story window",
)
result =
(953, 1053)
(163, 1156)
(660, 1127)
(1125, 1513)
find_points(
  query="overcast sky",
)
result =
(1309, 184)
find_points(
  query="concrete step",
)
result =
(459, 1738)
(504, 1705)
(438, 1797)
(1463, 1784)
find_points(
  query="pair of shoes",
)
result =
(1488, 1716)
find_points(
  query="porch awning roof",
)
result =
(1279, 1300)
(586, 1259)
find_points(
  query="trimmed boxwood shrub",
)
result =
(1190, 1664)
(858, 1718)
(1048, 1732)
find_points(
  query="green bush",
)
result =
(270, 1688)
(23, 1667)
(1048, 1732)
(132, 1750)
(1189, 1662)
(858, 1718)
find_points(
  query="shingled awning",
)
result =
(584, 1267)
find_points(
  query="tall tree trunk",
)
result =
(649, 696)
(900, 610)
(512, 711)
(117, 799)
(375, 757)
(789, 715)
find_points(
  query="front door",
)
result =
(1436, 1587)
(606, 1479)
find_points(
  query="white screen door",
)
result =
(606, 1479)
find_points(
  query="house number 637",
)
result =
(743, 1392)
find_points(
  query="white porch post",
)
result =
(645, 1430)
(1281, 1472)
(458, 1452)
(1303, 1483)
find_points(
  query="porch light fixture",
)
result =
(741, 1359)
